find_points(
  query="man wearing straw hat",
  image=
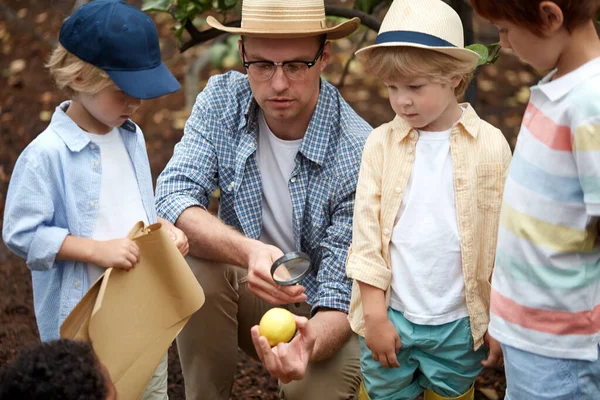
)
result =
(284, 148)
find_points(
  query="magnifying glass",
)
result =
(291, 268)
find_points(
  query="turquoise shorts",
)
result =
(435, 357)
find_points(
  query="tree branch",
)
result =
(347, 66)
(365, 19)
(198, 37)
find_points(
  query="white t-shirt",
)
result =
(427, 278)
(276, 162)
(120, 205)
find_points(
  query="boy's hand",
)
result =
(495, 355)
(383, 340)
(117, 253)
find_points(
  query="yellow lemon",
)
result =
(277, 325)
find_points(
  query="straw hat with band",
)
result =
(427, 24)
(281, 19)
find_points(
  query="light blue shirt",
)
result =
(54, 192)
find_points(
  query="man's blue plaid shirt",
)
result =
(218, 149)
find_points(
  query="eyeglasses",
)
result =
(264, 70)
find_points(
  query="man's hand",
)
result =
(495, 352)
(179, 238)
(261, 282)
(382, 338)
(287, 361)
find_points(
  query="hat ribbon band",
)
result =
(412, 37)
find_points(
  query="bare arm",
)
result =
(381, 336)
(374, 304)
(211, 239)
(118, 253)
(331, 330)
(318, 339)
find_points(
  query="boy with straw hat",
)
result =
(284, 148)
(426, 214)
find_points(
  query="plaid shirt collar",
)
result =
(316, 138)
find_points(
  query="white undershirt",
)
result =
(120, 205)
(427, 278)
(276, 162)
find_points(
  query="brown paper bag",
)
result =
(132, 317)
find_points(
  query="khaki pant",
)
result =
(208, 345)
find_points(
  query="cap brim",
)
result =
(456, 52)
(335, 32)
(146, 84)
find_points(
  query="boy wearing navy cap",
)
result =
(79, 187)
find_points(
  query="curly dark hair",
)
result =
(57, 370)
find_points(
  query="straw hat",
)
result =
(427, 24)
(286, 19)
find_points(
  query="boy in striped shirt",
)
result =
(545, 302)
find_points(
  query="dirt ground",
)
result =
(28, 97)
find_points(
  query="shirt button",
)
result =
(76, 283)
(527, 115)
(96, 164)
(92, 146)
(92, 204)
(386, 231)
(410, 150)
(413, 134)
(398, 190)
(293, 180)
(231, 186)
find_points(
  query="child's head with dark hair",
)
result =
(546, 34)
(61, 369)
(528, 13)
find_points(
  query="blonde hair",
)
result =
(73, 75)
(401, 62)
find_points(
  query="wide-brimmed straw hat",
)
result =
(427, 24)
(286, 19)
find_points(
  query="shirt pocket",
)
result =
(489, 186)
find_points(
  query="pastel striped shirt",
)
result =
(546, 283)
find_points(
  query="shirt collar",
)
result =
(468, 122)
(558, 88)
(74, 137)
(316, 138)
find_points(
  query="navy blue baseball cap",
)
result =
(122, 41)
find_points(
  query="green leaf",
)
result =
(179, 31)
(367, 6)
(232, 41)
(156, 5)
(223, 5)
(483, 52)
(217, 54)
